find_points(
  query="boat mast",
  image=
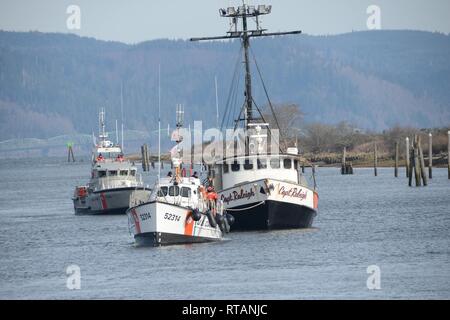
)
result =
(159, 124)
(248, 75)
(246, 12)
(101, 120)
(121, 114)
(217, 104)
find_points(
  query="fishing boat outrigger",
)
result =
(181, 209)
(114, 184)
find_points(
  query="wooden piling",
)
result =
(422, 164)
(344, 155)
(416, 163)
(408, 158)
(145, 158)
(70, 153)
(448, 154)
(396, 159)
(375, 161)
(411, 166)
(346, 167)
(430, 156)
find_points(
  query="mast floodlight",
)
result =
(231, 11)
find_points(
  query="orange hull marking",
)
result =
(189, 225)
(316, 200)
(136, 221)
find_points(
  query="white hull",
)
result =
(110, 201)
(159, 223)
(270, 204)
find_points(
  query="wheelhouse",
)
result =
(184, 193)
(233, 171)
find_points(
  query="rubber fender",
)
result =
(230, 219)
(226, 225)
(196, 215)
(212, 221)
(221, 222)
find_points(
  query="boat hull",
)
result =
(111, 201)
(157, 224)
(156, 239)
(270, 205)
(273, 215)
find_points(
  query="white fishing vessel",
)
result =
(114, 185)
(181, 210)
(263, 188)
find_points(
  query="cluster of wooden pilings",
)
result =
(145, 158)
(415, 163)
(346, 167)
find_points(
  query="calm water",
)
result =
(362, 221)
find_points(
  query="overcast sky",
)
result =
(134, 21)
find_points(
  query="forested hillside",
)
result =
(53, 84)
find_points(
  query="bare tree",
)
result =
(287, 116)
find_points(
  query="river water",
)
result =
(363, 221)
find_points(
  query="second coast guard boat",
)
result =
(114, 185)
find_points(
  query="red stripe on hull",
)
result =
(103, 199)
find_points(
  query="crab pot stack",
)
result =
(417, 164)
(145, 158)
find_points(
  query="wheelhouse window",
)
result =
(248, 164)
(186, 192)
(123, 172)
(287, 163)
(101, 173)
(226, 168)
(295, 164)
(112, 173)
(235, 166)
(262, 163)
(162, 192)
(133, 173)
(275, 163)
(174, 191)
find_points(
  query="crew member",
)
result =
(212, 197)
